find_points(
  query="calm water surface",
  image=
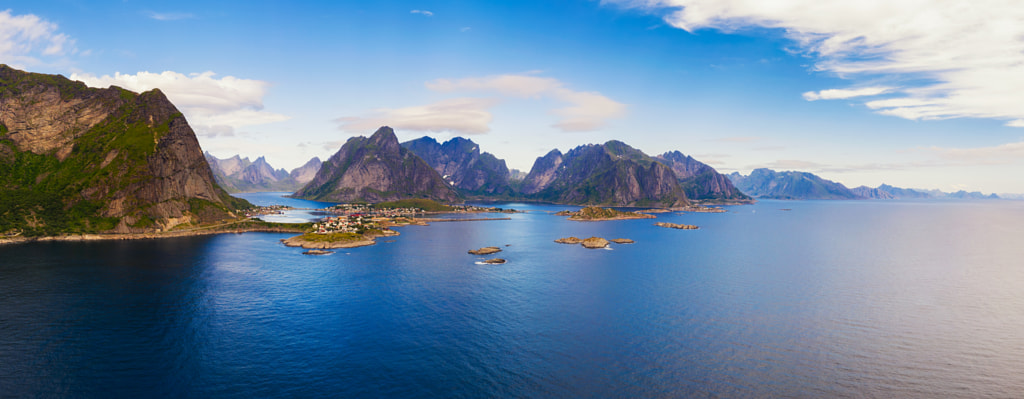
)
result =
(828, 299)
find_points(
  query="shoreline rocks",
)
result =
(297, 241)
(317, 252)
(495, 261)
(622, 241)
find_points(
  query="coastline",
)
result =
(149, 236)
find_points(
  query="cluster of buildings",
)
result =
(266, 210)
(369, 210)
(355, 223)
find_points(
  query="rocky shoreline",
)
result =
(147, 236)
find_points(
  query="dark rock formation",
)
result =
(75, 159)
(461, 164)
(376, 169)
(484, 251)
(701, 182)
(612, 173)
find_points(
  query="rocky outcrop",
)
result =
(376, 169)
(612, 173)
(461, 164)
(80, 159)
(495, 261)
(595, 243)
(484, 251)
(676, 226)
(701, 182)
(767, 183)
(569, 240)
(622, 241)
(239, 175)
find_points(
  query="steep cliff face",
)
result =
(701, 182)
(609, 174)
(767, 183)
(376, 169)
(77, 159)
(461, 164)
(543, 172)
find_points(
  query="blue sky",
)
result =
(912, 94)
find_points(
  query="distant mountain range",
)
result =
(769, 184)
(239, 175)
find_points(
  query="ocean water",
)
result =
(777, 299)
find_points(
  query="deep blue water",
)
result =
(829, 299)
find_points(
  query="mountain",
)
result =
(767, 183)
(612, 173)
(376, 169)
(872, 193)
(75, 159)
(886, 191)
(461, 164)
(701, 182)
(305, 173)
(239, 175)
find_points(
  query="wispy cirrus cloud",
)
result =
(25, 40)
(422, 12)
(584, 110)
(995, 155)
(213, 105)
(968, 53)
(169, 16)
(838, 94)
(458, 115)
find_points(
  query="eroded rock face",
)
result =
(376, 169)
(543, 172)
(104, 159)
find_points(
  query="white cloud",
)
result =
(970, 51)
(170, 16)
(586, 111)
(26, 38)
(838, 94)
(423, 12)
(207, 101)
(457, 115)
(996, 155)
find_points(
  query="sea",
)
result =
(819, 299)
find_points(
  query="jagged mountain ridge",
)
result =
(767, 183)
(75, 159)
(701, 182)
(612, 173)
(239, 175)
(886, 191)
(374, 169)
(461, 163)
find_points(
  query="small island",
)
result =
(676, 226)
(569, 240)
(594, 213)
(593, 242)
(495, 261)
(484, 251)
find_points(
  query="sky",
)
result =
(912, 93)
